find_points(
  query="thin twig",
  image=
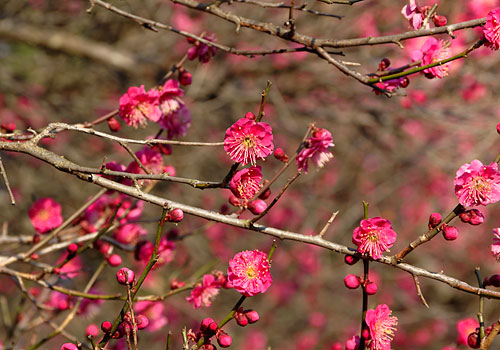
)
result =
(419, 291)
(6, 181)
(328, 223)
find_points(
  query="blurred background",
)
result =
(400, 154)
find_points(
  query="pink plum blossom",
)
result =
(176, 118)
(249, 272)
(316, 149)
(137, 106)
(413, 13)
(154, 311)
(491, 29)
(246, 182)
(477, 184)
(465, 327)
(495, 247)
(433, 51)
(201, 50)
(203, 293)
(382, 327)
(246, 140)
(45, 215)
(374, 236)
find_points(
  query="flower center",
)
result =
(373, 236)
(481, 185)
(44, 214)
(248, 142)
(250, 272)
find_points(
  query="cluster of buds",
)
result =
(472, 217)
(200, 50)
(209, 329)
(244, 317)
(474, 340)
(105, 249)
(420, 16)
(126, 326)
(389, 85)
(352, 282)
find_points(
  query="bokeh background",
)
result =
(400, 154)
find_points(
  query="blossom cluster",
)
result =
(162, 105)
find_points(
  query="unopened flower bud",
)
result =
(175, 215)
(384, 64)
(208, 347)
(223, 339)
(92, 330)
(241, 319)
(434, 220)
(252, 316)
(113, 124)
(176, 284)
(163, 148)
(8, 127)
(450, 233)
(205, 323)
(265, 195)
(36, 238)
(475, 217)
(250, 116)
(473, 340)
(141, 321)
(106, 326)
(493, 280)
(353, 343)
(72, 248)
(498, 128)
(439, 20)
(350, 259)
(34, 256)
(365, 333)
(69, 346)
(351, 281)
(279, 154)
(170, 170)
(257, 206)
(125, 276)
(371, 288)
(114, 260)
(185, 78)
(405, 82)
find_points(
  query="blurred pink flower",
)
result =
(45, 215)
(204, 292)
(137, 105)
(154, 311)
(176, 117)
(433, 51)
(316, 149)
(247, 140)
(249, 272)
(246, 182)
(495, 247)
(414, 15)
(465, 327)
(374, 236)
(477, 184)
(144, 250)
(491, 29)
(382, 327)
(129, 233)
(202, 51)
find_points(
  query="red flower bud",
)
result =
(257, 206)
(251, 315)
(351, 281)
(72, 248)
(185, 78)
(175, 215)
(106, 326)
(141, 321)
(223, 339)
(350, 259)
(384, 64)
(371, 288)
(450, 233)
(279, 154)
(114, 260)
(113, 124)
(439, 20)
(125, 276)
(434, 220)
(250, 116)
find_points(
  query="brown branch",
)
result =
(69, 43)
(7, 184)
(419, 291)
(328, 223)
